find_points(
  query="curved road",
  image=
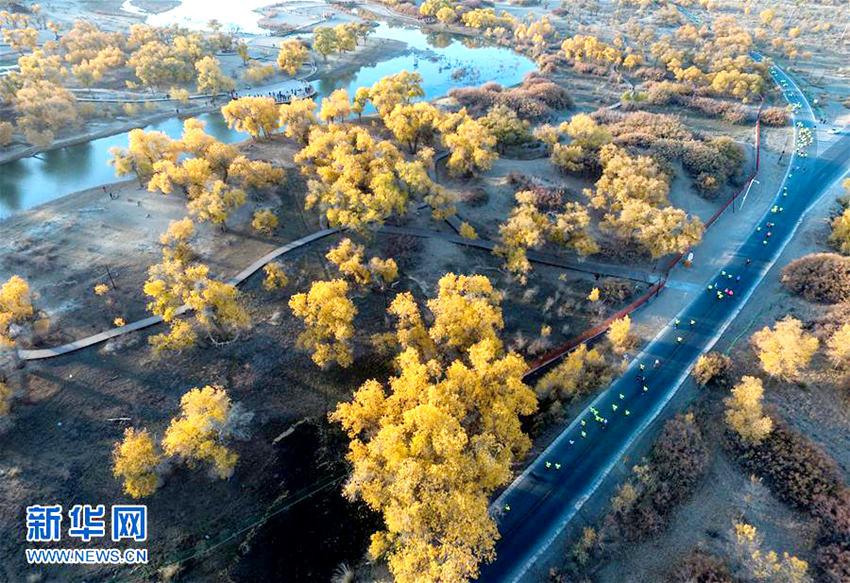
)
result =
(533, 511)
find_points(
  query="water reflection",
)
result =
(443, 61)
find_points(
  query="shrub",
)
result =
(736, 114)
(833, 513)
(799, 471)
(834, 563)
(676, 463)
(548, 92)
(819, 277)
(476, 196)
(547, 199)
(774, 116)
(711, 366)
(534, 99)
(699, 567)
(616, 290)
(526, 105)
(666, 92)
(407, 9)
(680, 455)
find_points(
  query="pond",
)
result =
(443, 61)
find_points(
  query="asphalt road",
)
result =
(536, 507)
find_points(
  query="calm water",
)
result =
(33, 181)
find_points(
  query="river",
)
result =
(33, 181)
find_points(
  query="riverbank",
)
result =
(372, 51)
(110, 234)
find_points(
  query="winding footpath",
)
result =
(242, 276)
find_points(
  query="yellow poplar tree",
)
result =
(472, 148)
(619, 334)
(581, 370)
(335, 107)
(264, 221)
(410, 328)
(257, 116)
(429, 449)
(466, 310)
(328, 317)
(143, 151)
(357, 180)
(275, 276)
(839, 237)
(291, 56)
(197, 435)
(766, 565)
(412, 124)
(15, 306)
(216, 202)
(134, 460)
(398, 89)
(838, 346)
(348, 257)
(210, 77)
(744, 412)
(785, 349)
(297, 117)
(175, 241)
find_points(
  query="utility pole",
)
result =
(112, 281)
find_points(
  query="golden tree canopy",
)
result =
(198, 434)
(134, 459)
(328, 317)
(466, 311)
(784, 350)
(257, 116)
(428, 452)
(744, 411)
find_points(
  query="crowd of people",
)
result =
(282, 96)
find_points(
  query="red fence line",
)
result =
(555, 354)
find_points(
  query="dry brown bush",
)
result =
(548, 199)
(676, 463)
(774, 116)
(476, 196)
(819, 277)
(699, 567)
(615, 290)
(667, 92)
(798, 471)
(534, 99)
(651, 73)
(833, 561)
(407, 9)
